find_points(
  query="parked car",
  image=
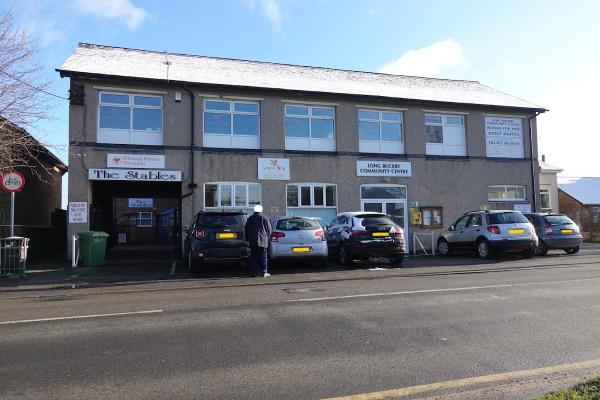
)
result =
(353, 235)
(297, 238)
(555, 231)
(216, 236)
(490, 231)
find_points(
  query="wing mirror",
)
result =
(452, 227)
(326, 227)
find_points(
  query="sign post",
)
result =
(12, 182)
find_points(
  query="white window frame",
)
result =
(506, 187)
(444, 148)
(233, 185)
(130, 136)
(381, 146)
(309, 143)
(140, 218)
(231, 140)
(545, 192)
(312, 186)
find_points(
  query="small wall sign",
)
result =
(115, 160)
(383, 168)
(78, 212)
(140, 203)
(274, 169)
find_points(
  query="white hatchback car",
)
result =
(298, 238)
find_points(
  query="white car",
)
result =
(298, 238)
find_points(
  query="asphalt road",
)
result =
(300, 336)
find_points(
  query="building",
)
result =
(38, 213)
(209, 133)
(548, 186)
(579, 198)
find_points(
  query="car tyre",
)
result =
(343, 256)
(528, 253)
(397, 260)
(444, 247)
(574, 250)
(483, 249)
(542, 248)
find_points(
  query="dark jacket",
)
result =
(258, 230)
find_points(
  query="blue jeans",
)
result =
(258, 260)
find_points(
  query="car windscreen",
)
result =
(221, 220)
(297, 224)
(373, 220)
(558, 220)
(506, 218)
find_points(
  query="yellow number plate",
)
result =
(566, 231)
(515, 231)
(381, 234)
(300, 249)
(226, 235)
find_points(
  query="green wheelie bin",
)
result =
(92, 247)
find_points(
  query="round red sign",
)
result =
(12, 181)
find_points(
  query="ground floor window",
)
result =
(506, 193)
(317, 200)
(545, 200)
(144, 219)
(242, 195)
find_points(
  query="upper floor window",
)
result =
(445, 135)
(231, 124)
(506, 193)
(130, 118)
(309, 128)
(380, 131)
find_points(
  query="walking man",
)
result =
(258, 234)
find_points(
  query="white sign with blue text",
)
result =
(383, 168)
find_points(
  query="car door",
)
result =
(456, 236)
(472, 229)
(333, 233)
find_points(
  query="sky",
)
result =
(546, 52)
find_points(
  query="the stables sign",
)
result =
(146, 175)
(383, 168)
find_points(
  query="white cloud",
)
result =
(568, 134)
(270, 8)
(114, 9)
(445, 56)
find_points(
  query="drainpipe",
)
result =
(192, 185)
(534, 205)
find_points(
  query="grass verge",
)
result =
(588, 390)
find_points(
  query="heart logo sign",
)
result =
(116, 160)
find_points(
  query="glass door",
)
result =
(374, 206)
(396, 211)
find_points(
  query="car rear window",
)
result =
(297, 224)
(506, 218)
(371, 220)
(221, 220)
(558, 220)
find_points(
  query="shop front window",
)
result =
(312, 200)
(239, 195)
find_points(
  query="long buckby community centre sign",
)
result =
(383, 168)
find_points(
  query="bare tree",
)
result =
(23, 100)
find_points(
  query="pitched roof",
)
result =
(545, 167)
(586, 190)
(133, 63)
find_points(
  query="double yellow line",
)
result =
(477, 380)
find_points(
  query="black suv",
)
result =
(216, 236)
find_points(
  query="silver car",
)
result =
(298, 238)
(490, 231)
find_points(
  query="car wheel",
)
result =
(574, 250)
(483, 249)
(444, 247)
(343, 256)
(396, 260)
(528, 253)
(542, 248)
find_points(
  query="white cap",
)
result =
(258, 208)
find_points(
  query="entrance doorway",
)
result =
(389, 200)
(143, 219)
